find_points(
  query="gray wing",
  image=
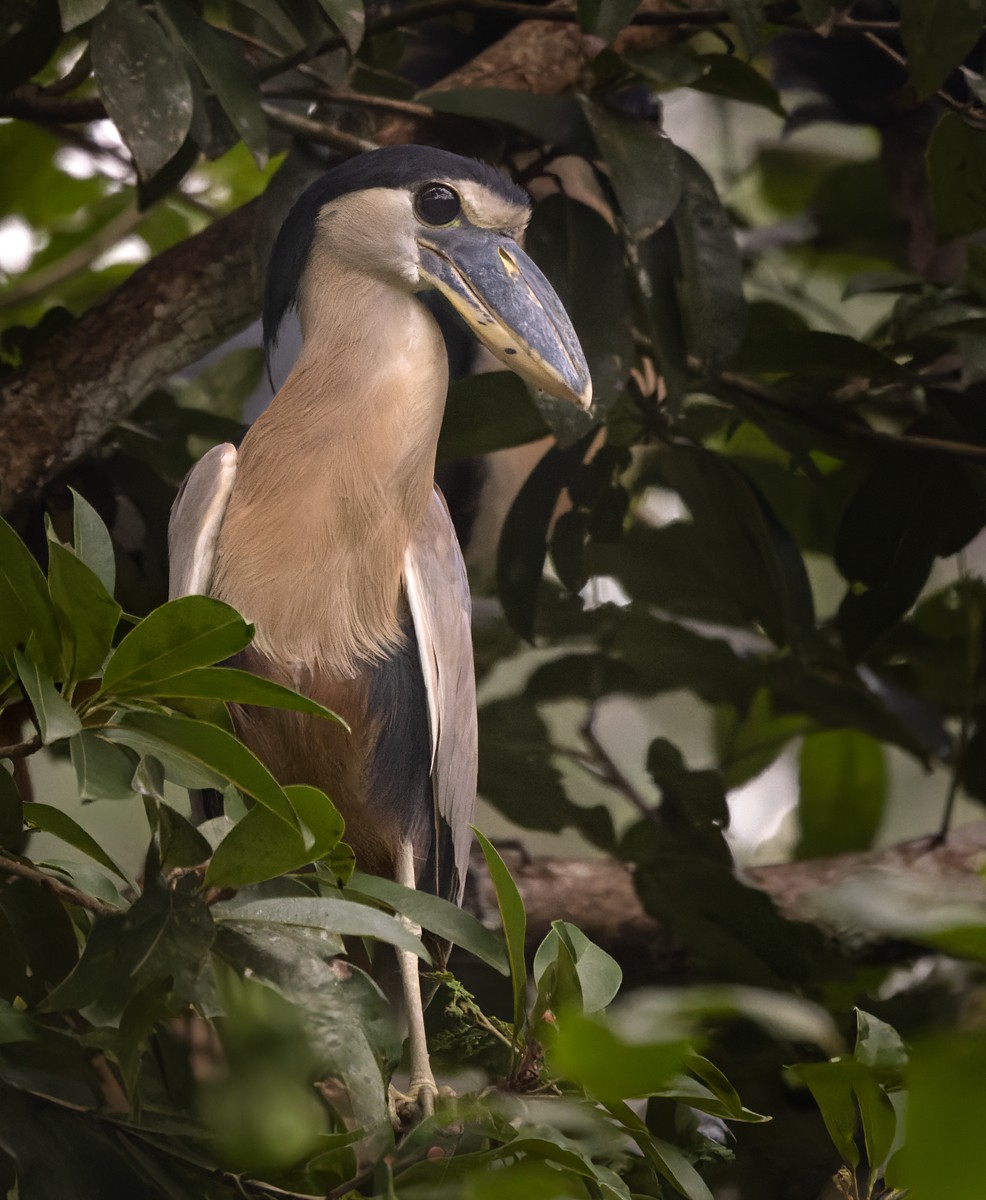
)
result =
(438, 596)
(196, 518)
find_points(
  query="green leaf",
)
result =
(605, 18)
(192, 631)
(435, 914)
(668, 1160)
(52, 820)
(730, 76)
(748, 17)
(843, 788)
(55, 717)
(583, 258)
(143, 83)
(516, 761)
(878, 1118)
(599, 974)
(87, 613)
(880, 1047)
(553, 120)
(344, 917)
(711, 289)
(488, 412)
(937, 36)
(524, 537)
(946, 1110)
(262, 846)
(77, 12)
(165, 934)
(103, 771)
(831, 1084)
(92, 541)
(612, 1068)
(206, 746)
(221, 62)
(957, 174)
(743, 543)
(644, 167)
(348, 17)
(181, 843)
(27, 616)
(232, 686)
(514, 919)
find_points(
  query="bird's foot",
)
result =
(416, 1105)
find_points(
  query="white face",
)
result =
(460, 238)
(376, 231)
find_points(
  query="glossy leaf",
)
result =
(599, 975)
(524, 537)
(181, 843)
(605, 18)
(232, 686)
(831, 1084)
(87, 613)
(77, 12)
(103, 771)
(957, 173)
(319, 912)
(937, 36)
(221, 62)
(192, 631)
(843, 788)
(644, 167)
(27, 616)
(711, 293)
(52, 820)
(55, 717)
(514, 919)
(143, 83)
(262, 846)
(207, 747)
(92, 542)
(438, 916)
(583, 258)
(348, 17)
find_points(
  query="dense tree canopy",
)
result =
(759, 559)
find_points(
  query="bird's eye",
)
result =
(437, 204)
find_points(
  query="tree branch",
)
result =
(599, 897)
(164, 316)
(64, 891)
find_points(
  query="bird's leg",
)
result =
(423, 1088)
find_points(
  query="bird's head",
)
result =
(422, 218)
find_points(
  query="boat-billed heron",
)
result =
(325, 528)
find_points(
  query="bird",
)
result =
(325, 528)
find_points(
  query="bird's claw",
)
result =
(416, 1105)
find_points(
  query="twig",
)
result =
(862, 433)
(973, 113)
(406, 108)
(29, 102)
(316, 131)
(607, 770)
(21, 749)
(64, 891)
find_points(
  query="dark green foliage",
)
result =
(773, 514)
